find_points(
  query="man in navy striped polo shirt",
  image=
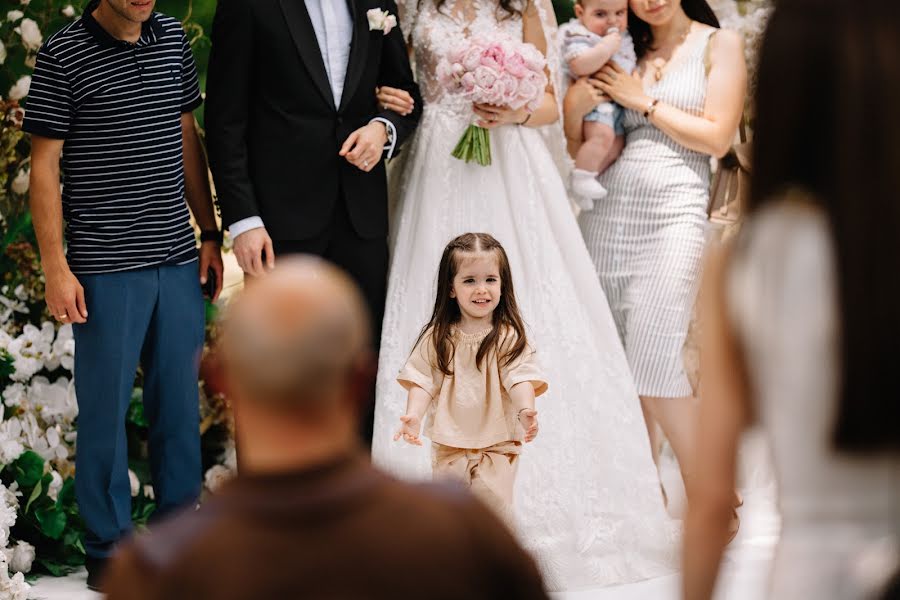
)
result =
(112, 95)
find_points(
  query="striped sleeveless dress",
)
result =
(647, 237)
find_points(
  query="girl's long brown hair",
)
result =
(446, 314)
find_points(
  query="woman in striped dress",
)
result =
(646, 238)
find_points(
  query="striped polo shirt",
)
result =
(118, 106)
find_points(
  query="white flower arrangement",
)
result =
(12, 588)
(20, 557)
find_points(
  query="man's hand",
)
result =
(249, 248)
(528, 419)
(65, 296)
(364, 147)
(410, 426)
(211, 258)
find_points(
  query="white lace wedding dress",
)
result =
(588, 499)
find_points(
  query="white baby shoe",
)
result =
(586, 189)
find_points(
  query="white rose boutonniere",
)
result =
(381, 20)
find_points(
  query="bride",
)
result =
(588, 500)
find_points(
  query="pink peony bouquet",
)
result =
(497, 71)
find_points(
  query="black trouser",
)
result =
(366, 261)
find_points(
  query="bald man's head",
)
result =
(292, 339)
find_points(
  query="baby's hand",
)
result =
(614, 38)
(528, 419)
(410, 426)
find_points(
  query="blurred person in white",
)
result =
(802, 320)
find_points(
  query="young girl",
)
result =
(600, 36)
(474, 372)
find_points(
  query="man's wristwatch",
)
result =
(211, 235)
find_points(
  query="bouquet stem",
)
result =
(475, 144)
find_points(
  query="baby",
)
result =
(600, 36)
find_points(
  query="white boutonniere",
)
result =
(381, 20)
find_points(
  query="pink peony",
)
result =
(498, 71)
(515, 66)
(471, 59)
(493, 57)
(467, 82)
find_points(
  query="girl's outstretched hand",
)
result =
(528, 419)
(410, 426)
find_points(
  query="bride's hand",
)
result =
(395, 99)
(490, 116)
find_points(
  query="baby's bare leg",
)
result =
(599, 139)
(614, 152)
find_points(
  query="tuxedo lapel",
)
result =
(304, 37)
(358, 50)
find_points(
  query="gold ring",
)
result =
(63, 316)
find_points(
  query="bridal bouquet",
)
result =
(497, 71)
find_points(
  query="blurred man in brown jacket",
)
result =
(308, 517)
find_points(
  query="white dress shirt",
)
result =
(333, 24)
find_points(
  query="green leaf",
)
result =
(35, 494)
(212, 311)
(53, 567)
(53, 522)
(66, 496)
(7, 367)
(136, 409)
(14, 230)
(29, 469)
(73, 543)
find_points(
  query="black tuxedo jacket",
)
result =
(273, 131)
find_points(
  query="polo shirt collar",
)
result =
(151, 30)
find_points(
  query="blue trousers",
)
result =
(154, 317)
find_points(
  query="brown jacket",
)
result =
(341, 530)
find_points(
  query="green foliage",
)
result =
(136, 409)
(6, 367)
(564, 9)
(52, 526)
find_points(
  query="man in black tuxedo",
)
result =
(296, 137)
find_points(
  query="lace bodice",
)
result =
(437, 30)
